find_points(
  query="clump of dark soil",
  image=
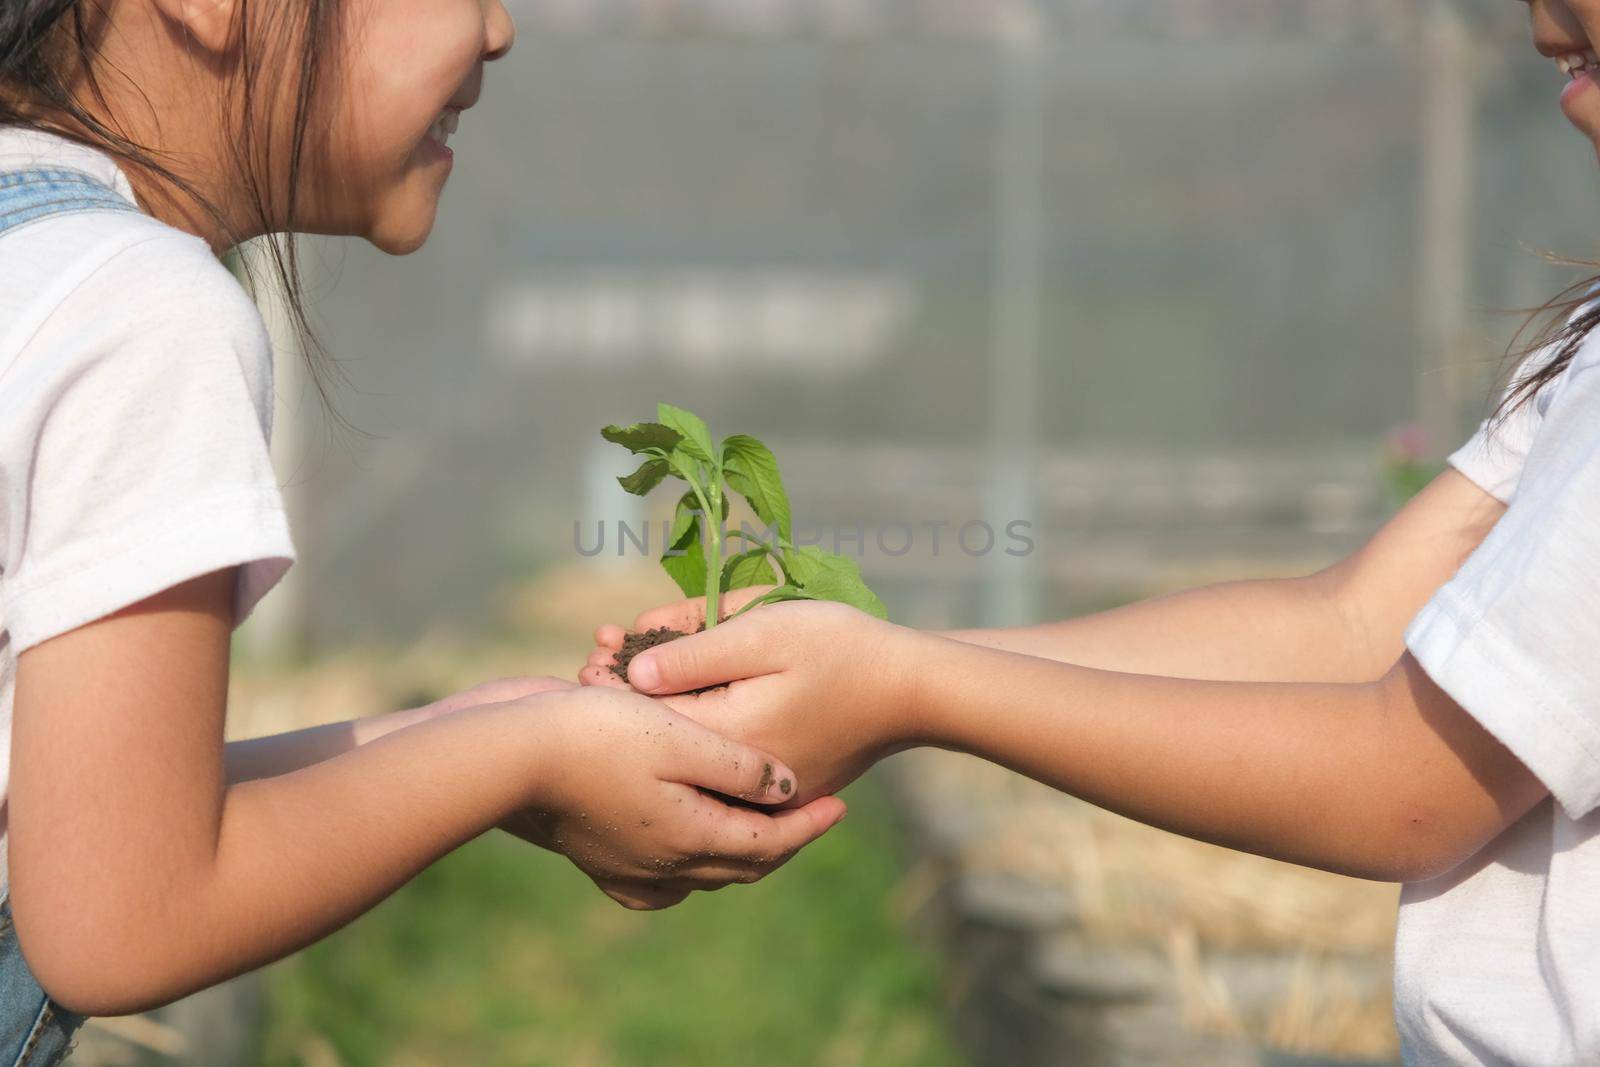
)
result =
(635, 643)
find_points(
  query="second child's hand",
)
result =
(830, 723)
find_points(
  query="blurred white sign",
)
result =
(827, 324)
(1335, 20)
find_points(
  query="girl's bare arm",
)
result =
(139, 874)
(1387, 779)
(1329, 746)
(1340, 624)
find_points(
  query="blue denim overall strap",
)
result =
(34, 1030)
(45, 192)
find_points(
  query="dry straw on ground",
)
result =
(1132, 885)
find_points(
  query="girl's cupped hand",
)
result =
(820, 682)
(627, 794)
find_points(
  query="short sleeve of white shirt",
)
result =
(135, 415)
(1493, 458)
(1514, 636)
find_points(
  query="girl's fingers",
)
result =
(734, 650)
(641, 896)
(747, 846)
(701, 758)
(737, 846)
(725, 709)
(745, 838)
(708, 876)
(603, 677)
(609, 636)
(717, 710)
(734, 599)
(500, 691)
(685, 615)
(598, 670)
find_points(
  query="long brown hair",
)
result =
(48, 45)
(1554, 333)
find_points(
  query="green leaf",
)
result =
(695, 438)
(688, 570)
(686, 467)
(685, 559)
(870, 603)
(680, 444)
(806, 562)
(647, 477)
(643, 437)
(834, 585)
(747, 569)
(751, 471)
(685, 520)
(828, 576)
(830, 588)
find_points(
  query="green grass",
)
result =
(504, 955)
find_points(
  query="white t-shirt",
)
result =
(1498, 961)
(135, 414)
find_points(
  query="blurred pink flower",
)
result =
(1408, 442)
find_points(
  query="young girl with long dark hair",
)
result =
(140, 522)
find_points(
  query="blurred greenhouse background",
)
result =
(1157, 277)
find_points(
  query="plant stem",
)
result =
(714, 575)
(713, 513)
(783, 593)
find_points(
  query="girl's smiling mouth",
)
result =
(444, 126)
(1576, 64)
(1582, 68)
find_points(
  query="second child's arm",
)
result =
(1341, 624)
(139, 874)
(1351, 760)
(267, 757)
(1330, 746)
(1387, 779)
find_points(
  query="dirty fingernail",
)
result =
(776, 781)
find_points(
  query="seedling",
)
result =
(704, 557)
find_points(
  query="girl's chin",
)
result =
(404, 232)
(398, 246)
(406, 216)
